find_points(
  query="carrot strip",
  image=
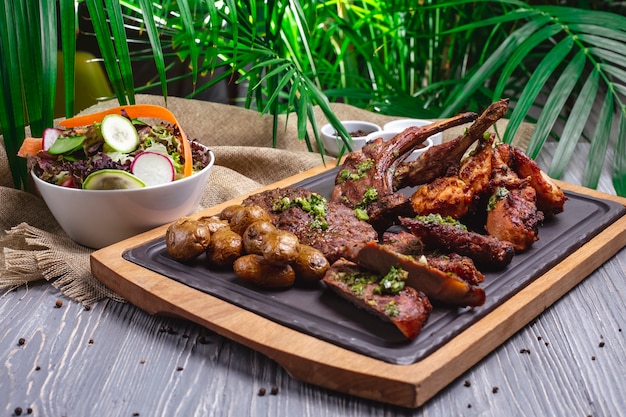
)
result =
(136, 111)
(30, 146)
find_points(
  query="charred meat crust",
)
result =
(408, 310)
(486, 251)
(406, 243)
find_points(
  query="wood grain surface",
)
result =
(117, 360)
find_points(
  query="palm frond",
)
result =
(100, 22)
(535, 85)
(157, 51)
(555, 103)
(575, 124)
(619, 165)
(68, 46)
(599, 143)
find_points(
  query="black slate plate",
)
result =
(320, 313)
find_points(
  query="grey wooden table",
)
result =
(116, 360)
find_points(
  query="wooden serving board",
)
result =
(318, 362)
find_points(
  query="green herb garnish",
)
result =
(393, 282)
(314, 204)
(500, 193)
(435, 218)
(361, 171)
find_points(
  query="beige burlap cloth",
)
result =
(34, 247)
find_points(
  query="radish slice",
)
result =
(153, 168)
(50, 136)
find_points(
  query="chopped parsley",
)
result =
(393, 282)
(361, 171)
(314, 204)
(435, 218)
(358, 281)
(500, 193)
(371, 195)
(390, 284)
(391, 309)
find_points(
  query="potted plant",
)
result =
(424, 60)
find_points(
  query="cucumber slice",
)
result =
(66, 145)
(112, 179)
(119, 133)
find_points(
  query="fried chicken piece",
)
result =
(514, 218)
(550, 197)
(512, 213)
(456, 195)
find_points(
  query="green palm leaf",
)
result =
(153, 35)
(575, 124)
(120, 44)
(102, 31)
(68, 45)
(555, 102)
(619, 164)
(492, 64)
(599, 144)
(535, 85)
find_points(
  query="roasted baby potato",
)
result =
(280, 247)
(254, 236)
(228, 212)
(244, 217)
(224, 248)
(256, 270)
(310, 265)
(213, 223)
(186, 238)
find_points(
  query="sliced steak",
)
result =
(408, 309)
(407, 243)
(341, 233)
(437, 285)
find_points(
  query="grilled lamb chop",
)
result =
(335, 232)
(367, 177)
(407, 308)
(438, 160)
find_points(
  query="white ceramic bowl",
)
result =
(402, 124)
(98, 218)
(388, 134)
(333, 143)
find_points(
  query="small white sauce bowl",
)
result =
(388, 134)
(98, 218)
(333, 142)
(402, 124)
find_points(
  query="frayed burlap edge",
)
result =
(30, 254)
